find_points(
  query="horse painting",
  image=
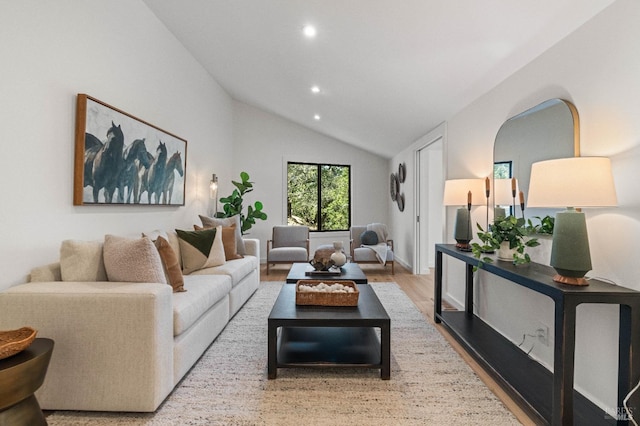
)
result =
(91, 147)
(174, 164)
(135, 157)
(107, 164)
(155, 176)
(118, 158)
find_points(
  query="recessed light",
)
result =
(309, 31)
(315, 89)
(316, 117)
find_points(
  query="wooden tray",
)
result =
(15, 341)
(327, 299)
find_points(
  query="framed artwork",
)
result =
(122, 160)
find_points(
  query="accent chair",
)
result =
(288, 244)
(369, 254)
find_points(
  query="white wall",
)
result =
(596, 68)
(120, 53)
(264, 142)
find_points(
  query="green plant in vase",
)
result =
(545, 227)
(506, 233)
(232, 205)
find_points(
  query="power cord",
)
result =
(524, 337)
(624, 403)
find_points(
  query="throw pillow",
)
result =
(171, 264)
(134, 260)
(82, 261)
(201, 249)
(369, 238)
(212, 222)
(228, 241)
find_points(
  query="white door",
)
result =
(429, 187)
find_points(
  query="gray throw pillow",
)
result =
(369, 238)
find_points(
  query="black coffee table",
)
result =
(350, 271)
(325, 336)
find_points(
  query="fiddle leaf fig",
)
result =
(232, 205)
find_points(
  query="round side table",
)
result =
(20, 376)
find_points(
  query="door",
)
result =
(429, 211)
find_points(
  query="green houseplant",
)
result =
(545, 227)
(232, 205)
(506, 233)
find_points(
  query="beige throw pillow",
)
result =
(228, 241)
(132, 260)
(82, 261)
(212, 222)
(201, 249)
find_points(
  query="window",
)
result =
(502, 170)
(319, 196)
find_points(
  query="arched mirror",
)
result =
(547, 131)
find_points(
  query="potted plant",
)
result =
(232, 205)
(509, 236)
(545, 227)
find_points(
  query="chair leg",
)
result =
(267, 267)
(392, 266)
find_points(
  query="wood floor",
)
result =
(419, 288)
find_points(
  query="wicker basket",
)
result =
(327, 299)
(15, 341)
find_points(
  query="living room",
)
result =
(121, 53)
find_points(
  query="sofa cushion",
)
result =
(288, 254)
(201, 249)
(171, 264)
(203, 291)
(82, 261)
(132, 260)
(210, 222)
(236, 269)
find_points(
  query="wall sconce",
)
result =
(574, 182)
(464, 193)
(213, 194)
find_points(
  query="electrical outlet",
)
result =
(542, 333)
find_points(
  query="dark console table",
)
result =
(548, 397)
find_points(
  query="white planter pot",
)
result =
(505, 253)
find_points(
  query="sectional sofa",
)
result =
(123, 346)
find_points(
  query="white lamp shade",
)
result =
(456, 192)
(572, 182)
(502, 194)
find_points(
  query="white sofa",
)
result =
(124, 346)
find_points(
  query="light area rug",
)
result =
(430, 384)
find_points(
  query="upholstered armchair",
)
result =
(375, 247)
(288, 244)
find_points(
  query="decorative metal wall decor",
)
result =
(396, 180)
(122, 160)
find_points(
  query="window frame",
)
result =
(319, 193)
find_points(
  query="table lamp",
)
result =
(573, 182)
(464, 193)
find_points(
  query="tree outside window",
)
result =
(319, 196)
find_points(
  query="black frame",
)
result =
(319, 186)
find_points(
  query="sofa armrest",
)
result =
(113, 342)
(252, 247)
(50, 272)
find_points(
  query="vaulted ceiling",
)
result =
(388, 71)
